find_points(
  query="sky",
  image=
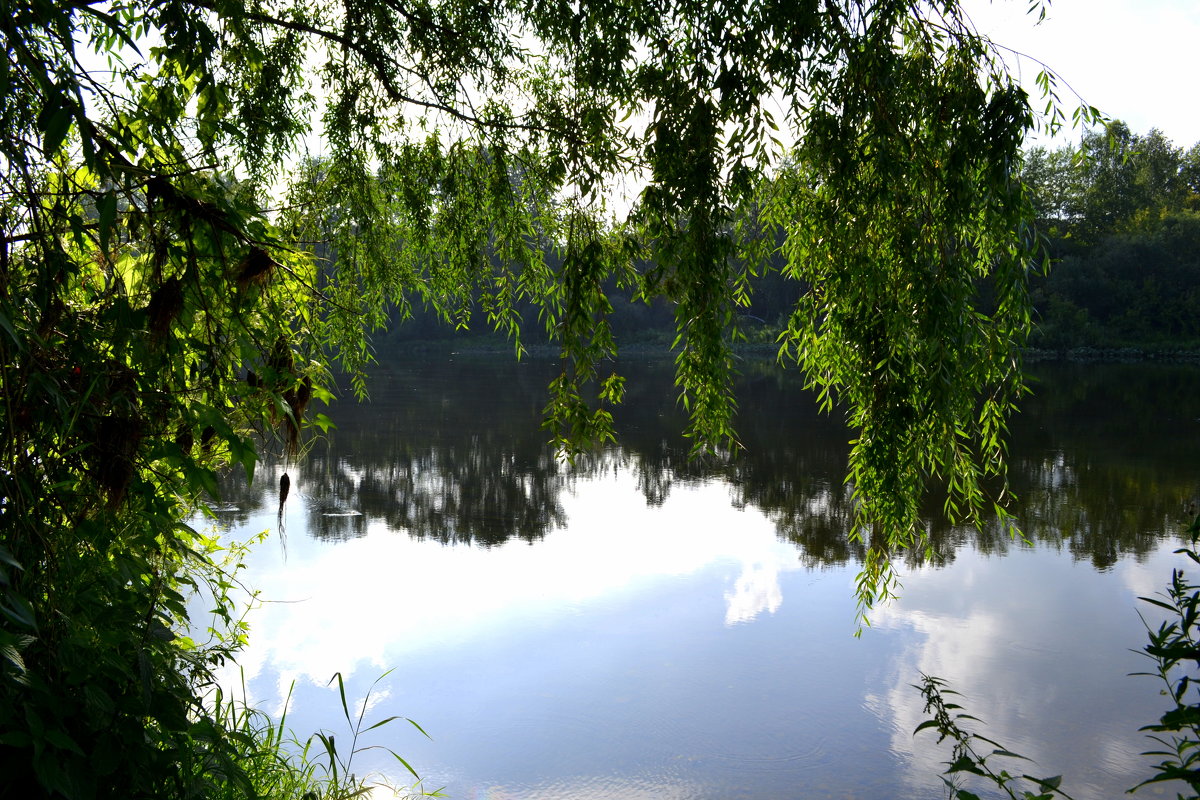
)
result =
(1135, 60)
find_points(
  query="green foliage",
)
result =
(902, 201)
(274, 764)
(150, 322)
(1121, 214)
(975, 755)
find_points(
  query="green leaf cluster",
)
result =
(901, 204)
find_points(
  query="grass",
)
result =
(274, 763)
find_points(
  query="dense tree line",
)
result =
(1121, 212)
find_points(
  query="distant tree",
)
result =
(1190, 172)
(1126, 176)
(1054, 182)
(1121, 212)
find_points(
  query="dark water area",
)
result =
(453, 449)
(641, 624)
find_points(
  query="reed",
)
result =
(275, 764)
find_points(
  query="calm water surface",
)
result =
(644, 627)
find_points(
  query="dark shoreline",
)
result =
(492, 346)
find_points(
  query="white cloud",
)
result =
(996, 634)
(757, 590)
(368, 602)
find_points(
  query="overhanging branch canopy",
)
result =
(870, 147)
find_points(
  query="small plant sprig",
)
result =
(338, 763)
(968, 756)
(1173, 648)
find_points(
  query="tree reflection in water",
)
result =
(451, 448)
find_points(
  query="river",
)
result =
(642, 626)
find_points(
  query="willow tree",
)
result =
(203, 201)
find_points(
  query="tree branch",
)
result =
(380, 67)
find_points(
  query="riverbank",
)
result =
(494, 345)
(1115, 355)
